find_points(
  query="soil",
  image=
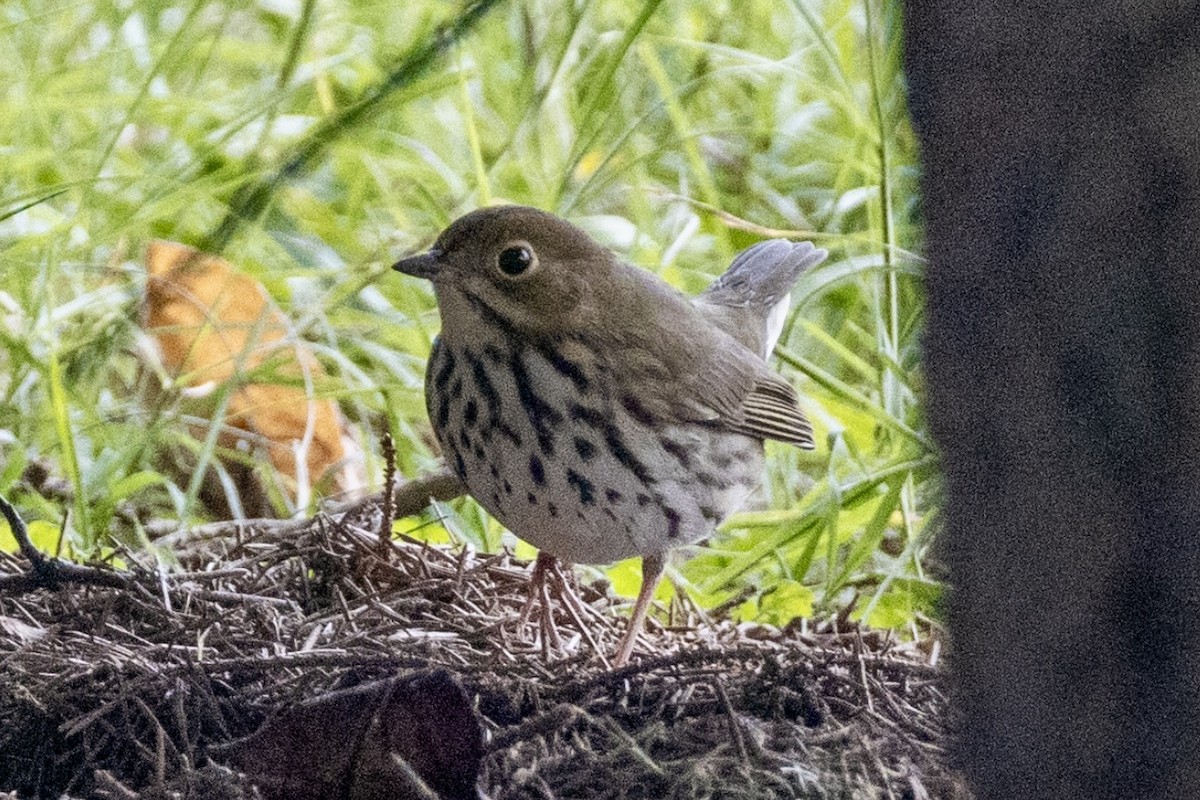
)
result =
(129, 692)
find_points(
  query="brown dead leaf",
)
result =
(411, 737)
(214, 325)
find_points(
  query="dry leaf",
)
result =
(408, 737)
(214, 325)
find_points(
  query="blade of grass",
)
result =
(868, 542)
(12, 212)
(600, 89)
(66, 442)
(816, 282)
(207, 451)
(851, 359)
(816, 509)
(482, 185)
(251, 200)
(851, 395)
(287, 69)
(144, 89)
(685, 135)
(533, 112)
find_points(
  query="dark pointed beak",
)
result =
(424, 265)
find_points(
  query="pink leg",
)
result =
(652, 570)
(537, 584)
(539, 594)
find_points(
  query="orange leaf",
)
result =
(215, 325)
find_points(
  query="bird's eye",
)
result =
(516, 259)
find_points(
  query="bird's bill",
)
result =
(424, 265)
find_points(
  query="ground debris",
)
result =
(125, 693)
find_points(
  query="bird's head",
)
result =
(529, 270)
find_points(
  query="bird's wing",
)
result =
(746, 397)
(771, 410)
(674, 362)
(698, 373)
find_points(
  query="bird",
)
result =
(594, 410)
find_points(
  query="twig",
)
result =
(608, 725)
(694, 657)
(574, 609)
(441, 485)
(108, 786)
(410, 497)
(49, 573)
(221, 596)
(21, 534)
(389, 496)
(862, 674)
(556, 720)
(735, 726)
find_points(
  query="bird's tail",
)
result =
(751, 299)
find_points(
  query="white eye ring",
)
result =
(516, 259)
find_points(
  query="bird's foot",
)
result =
(548, 578)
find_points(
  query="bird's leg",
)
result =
(574, 606)
(539, 595)
(537, 585)
(548, 578)
(652, 570)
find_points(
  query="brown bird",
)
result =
(591, 408)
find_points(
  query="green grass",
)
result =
(314, 143)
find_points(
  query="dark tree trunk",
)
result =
(1061, 146)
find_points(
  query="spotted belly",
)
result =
(543, 444)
